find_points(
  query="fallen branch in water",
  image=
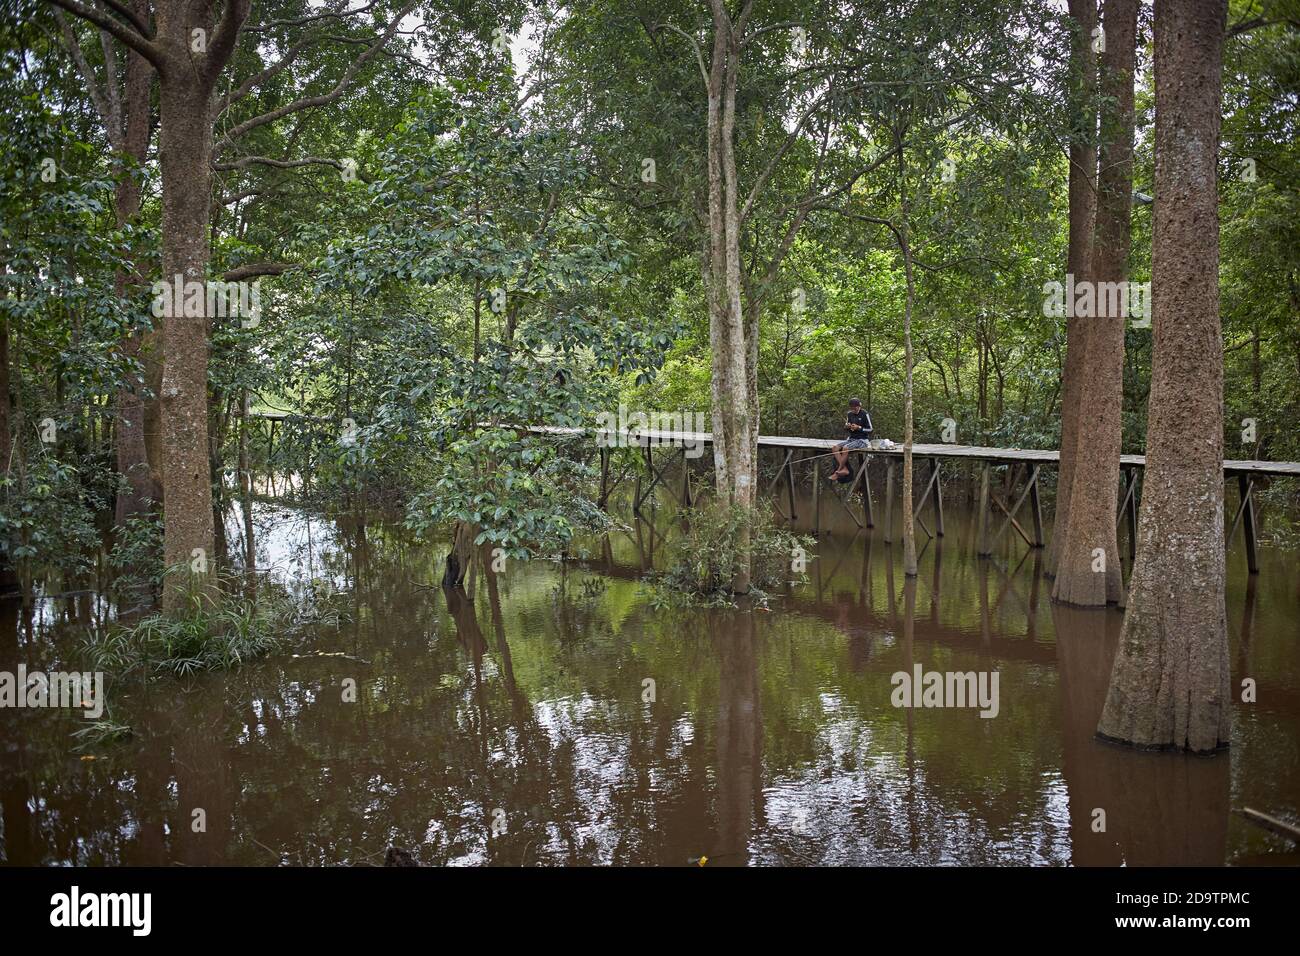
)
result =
(338, 654)
(1272, 824)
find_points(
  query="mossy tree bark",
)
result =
(1169, 687)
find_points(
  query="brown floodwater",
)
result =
(558, 716)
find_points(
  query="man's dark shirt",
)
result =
(859, 417)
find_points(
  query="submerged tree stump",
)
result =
(460, 558)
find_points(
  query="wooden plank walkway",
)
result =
(1020, 487)
(1042, 456)
(1026, 466)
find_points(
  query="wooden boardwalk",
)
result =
(1025, 465)
(1018, 491)
(1040, 456)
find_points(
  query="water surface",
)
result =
(556, 716)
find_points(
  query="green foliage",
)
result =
(478, 223)
(47, 519)
(136, 558)
(218, 630)
(701, 561)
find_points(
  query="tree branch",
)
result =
(136, 41)
(699, 54)
(328, 15)
(313, 101)
(257, 79)
(224, 38)
(246, 161)
(141, 25)
(255, 269)
(111, 126)
(110, 81)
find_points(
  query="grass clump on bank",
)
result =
(217, 630)
(701, 562)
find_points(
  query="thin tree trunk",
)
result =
(905, 245)
(246, 494)
(8, 575)
(734, 417)
(719, 336)
(1169, 686)
(143, 487)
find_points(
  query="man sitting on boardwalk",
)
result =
(858, 426)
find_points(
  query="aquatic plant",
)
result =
(216, 630)
(700, 563)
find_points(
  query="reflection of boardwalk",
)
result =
(1009, 598)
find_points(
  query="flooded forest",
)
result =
(701, 433)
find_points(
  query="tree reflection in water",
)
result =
(771, 737)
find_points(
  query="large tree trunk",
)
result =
(1082, 216)
(186, 154)
(186, 84)
(1088, 568)
(1170, 684)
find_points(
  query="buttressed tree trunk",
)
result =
(1169, 687)
(1088, 570)
(1082, 215)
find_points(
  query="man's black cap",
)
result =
(855, 403)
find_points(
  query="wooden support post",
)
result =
(776, 479)
(604, 477)
(1246, 486)
(889, 501)
(938, 497)
(867, 504)
(1011, 512)
(1037, 507)
(655, 476)
(925, 495)
(686, 480)
(1128, 510)
(1133, 516)
(789, 468)
(861, 478)
(982, 531)
(817, 496)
